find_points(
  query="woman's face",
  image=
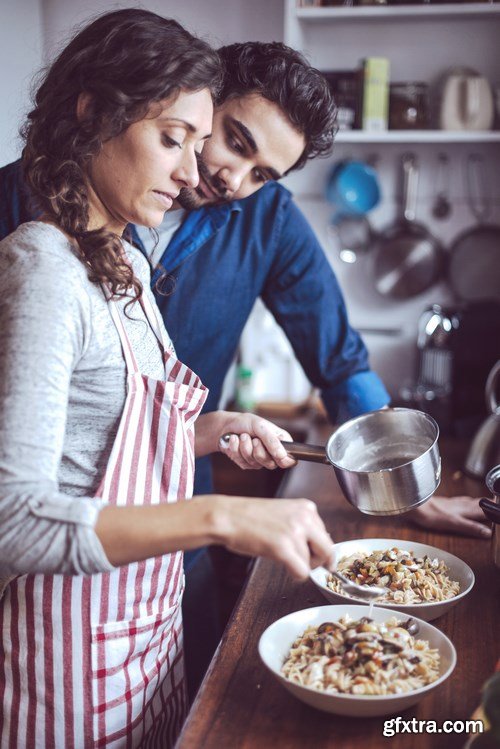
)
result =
(138, 174)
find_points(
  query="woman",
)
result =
(97, 443)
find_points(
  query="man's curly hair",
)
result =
(282, 75)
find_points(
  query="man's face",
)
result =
(252, 142)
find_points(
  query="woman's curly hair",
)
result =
(124, 61)
(284, 76)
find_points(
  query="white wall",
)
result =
(33, 31)
(20, 56)
(419, 48)
(219, 21)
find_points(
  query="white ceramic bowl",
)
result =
(458, 570)
(275, 643)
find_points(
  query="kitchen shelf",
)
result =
(387, 13)
(417, 136)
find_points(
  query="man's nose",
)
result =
(232, 179)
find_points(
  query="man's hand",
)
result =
(452, 515)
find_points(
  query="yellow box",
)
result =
(376, 74)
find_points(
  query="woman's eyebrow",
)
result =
(188, 125)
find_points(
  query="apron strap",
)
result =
(153, 316)
(128, 353)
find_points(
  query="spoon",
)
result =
(442, 205)
(366, 592)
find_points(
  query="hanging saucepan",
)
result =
(351, 235)
(407, 258)
(354, 190)
(474, 265)
(386, 462)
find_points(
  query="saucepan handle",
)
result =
(298, 450)
(303, 451)
(410, 186)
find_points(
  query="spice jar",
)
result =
(408, 106)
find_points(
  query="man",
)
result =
(244, 237)
(239, 236)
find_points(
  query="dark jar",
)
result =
(408, 106)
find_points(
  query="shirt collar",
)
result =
(198, 226)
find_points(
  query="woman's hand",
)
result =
(255, 442)
(452, 515)
(289, 531)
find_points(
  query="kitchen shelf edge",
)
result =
(448, 10)
(417, 136)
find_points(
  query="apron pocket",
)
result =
(138, 674)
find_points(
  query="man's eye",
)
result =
(236, 145)
(259, 177)
(170, 142)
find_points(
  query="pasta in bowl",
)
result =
(419, 580)
(337, 659)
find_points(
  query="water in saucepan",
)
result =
(381, 455)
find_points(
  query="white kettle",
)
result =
(466, 101)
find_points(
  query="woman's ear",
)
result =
(84, 106)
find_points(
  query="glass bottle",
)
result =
(244, 389)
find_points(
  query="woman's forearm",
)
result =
(131, 534)
(288, 531)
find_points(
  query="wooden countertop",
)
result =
(240, 704)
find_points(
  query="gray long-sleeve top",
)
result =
(62, 392)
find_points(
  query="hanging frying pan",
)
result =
(474, 264)
(407, 258)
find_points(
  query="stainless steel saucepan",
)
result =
(386, 462)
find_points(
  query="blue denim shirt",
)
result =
(220, 260)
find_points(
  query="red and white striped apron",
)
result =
(91, 661)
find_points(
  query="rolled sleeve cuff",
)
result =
(83, 511)
(86, 554)
(362, 392)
